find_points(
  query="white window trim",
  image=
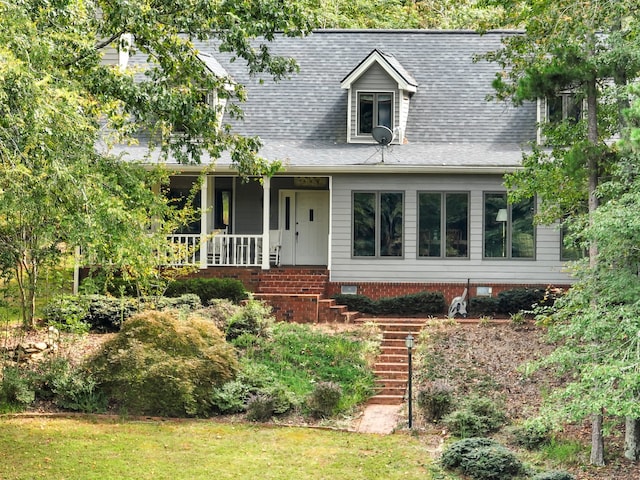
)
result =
(354, 124)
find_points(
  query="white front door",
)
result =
(304, 221)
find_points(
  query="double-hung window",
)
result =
(378, 224)
(374, 109)
(509, 231)
(443, 224)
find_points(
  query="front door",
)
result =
(304, 220)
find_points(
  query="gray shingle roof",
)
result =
(303, 120)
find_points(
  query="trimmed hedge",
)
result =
(426, 303)
(208, 289)
(511, 301)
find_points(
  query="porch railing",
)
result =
(221, 250)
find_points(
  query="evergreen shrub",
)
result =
(208, 289)
(478, 416)
(553, 475)
(482, 459)
(532, 434)
(425, 303)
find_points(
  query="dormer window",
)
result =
(374, 109)
(379, 93)
(566, 106)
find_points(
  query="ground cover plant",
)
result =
(108, 449)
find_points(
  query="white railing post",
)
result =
(204, 224)
(266, 211)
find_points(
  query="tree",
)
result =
(588, 50)
(59, 100)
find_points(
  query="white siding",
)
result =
(546, 268)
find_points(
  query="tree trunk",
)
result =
(632, 439)
(597, 441)
(597, 438)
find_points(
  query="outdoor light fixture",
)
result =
(409, 342)
(502, 218)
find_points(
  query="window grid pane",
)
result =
(364, 224)
(457, 225)
(391, 224)
(429, 228)
(365, 113)
(495, 226)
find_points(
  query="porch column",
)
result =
(204, 224)
(266, 211)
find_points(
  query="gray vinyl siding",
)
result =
(248, 214)
(545, 268)
(375, 80)
(110, 55)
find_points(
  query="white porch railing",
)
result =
(222, 250)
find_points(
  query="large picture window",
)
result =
(508, 228)
(374, 109)
(378, 224)
(443, 224)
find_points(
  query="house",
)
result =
(392, 181)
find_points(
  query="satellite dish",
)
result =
(381, 134)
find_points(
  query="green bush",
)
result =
(67, 313)
(324, 400)
(425, 303)
(482, 459)
(483, 306)
(77, 390)
(532, 434)
(188, 301)
(208, 289)
(260, 407)
(478, 416)
(220, 311)
(553, 475)
(357, 303)
(16, 388)
(519, 299)
(106, 314)
(435, 400)
(253, 319)
(163, 363)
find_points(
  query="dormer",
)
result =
(379, 91)
(212, 98)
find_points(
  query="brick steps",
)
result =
(392, 364)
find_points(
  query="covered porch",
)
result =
(265, 222)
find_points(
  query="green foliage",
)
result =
(161, 364)
(324, 400)
(532, 433)
(67, 313)
(483, 306)
(300, 357)
(426, 303)
(553, 475)
(477, 416)
(253, 319)
(16, 388)
(521, 299)
(435, 399)
(482, 459)
(208, 289)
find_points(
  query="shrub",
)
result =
(483, 306)
(435, 400)
(77, 390)
(532, 434)
(426, 303)
(482, 459)
(253, 319)
(208, 288)
(324, 399)
(478, 416)
(219, 311)
(357, 303)
(519, 299)
(106, 314)
(161, 364)
(260, 407)
(553, 475)
(67, 313)
(188, 301)
(16, 388)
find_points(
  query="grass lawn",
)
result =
(97, 448)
